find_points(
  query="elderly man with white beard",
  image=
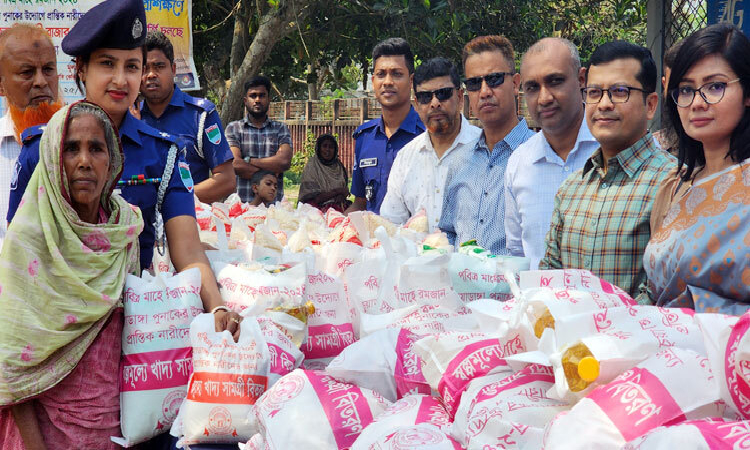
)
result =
(28, 81)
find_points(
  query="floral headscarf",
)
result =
(60, 277)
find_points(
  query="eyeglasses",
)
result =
(425, 97)
(617, 94)
(711, 92)
(493, 80)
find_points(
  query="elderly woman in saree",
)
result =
(324, 182)
(62, 273)
(700, 243)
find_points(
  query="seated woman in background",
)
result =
(700, 242)
(62, 272)
(324, 183)
(263, 183)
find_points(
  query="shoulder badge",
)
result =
(213, 134)
(185, 176)
(137, 28)
(14, 179)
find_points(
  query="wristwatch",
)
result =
(247, 159)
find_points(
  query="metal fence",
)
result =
(341, 117)
(684, 17)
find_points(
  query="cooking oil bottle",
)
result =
(580, 367)
(544, 321)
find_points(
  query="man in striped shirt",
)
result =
(602, 212)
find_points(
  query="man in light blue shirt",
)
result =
(473, 204)
(552, 78)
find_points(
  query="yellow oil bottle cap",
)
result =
(588, 369)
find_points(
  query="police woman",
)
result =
(108, 46)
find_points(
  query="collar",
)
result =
(464, 137)
(6, 126)
(544, 150)
(630, 159)
(178, 100)
(515, 137)
(411, 124)
(178, 97)
(130, 128)
(246, 120)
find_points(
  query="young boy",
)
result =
(263, 184)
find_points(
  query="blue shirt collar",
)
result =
(178, 100)
(178, 97)
(515, 137)
(411, 124)
(130, 128)
(545, 151)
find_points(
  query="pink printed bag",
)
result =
(715, 434)
(157, 356)
(452, 360)
(411, 437)
(283, 355)
(228, 377)
(618, 339)
(408, 411)
(513, 410)
(383, 362)
(661, 390)
(309, 409)
(330, 328)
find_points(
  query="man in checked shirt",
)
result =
(602, 212)
(257, 142)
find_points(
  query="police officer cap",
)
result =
(110, 24)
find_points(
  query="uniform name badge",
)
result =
(368, 162)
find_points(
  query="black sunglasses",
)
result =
(493, 80)
(425, 97)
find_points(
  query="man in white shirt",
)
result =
(28, 81)
(551, 78)
(418, 175)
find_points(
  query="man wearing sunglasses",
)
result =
(552, 78)
(602, 212)
(378, 141)
(473, 205)
(418, 176)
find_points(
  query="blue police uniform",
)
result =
(145, 151)
(374, 153)
(181, 119)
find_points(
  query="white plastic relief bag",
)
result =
(661, 390)
(512, 410)
(157, 355)
(330, 329)
(310, 409)
(474, 277)
(383, 362)
(227, 379)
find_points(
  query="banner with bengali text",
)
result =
(172, 17)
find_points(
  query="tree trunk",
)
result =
(312, 81)
(240, 37)
(365, 73)
(274, 25)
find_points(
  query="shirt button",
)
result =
(605, 185)
(486, 194)
(567, 168)
(481, 220)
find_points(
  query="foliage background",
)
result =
(328, 50)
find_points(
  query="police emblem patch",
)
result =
(214, 134)
(137, 28)
(185, 176)
(14, 179)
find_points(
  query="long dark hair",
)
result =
(729, 42)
